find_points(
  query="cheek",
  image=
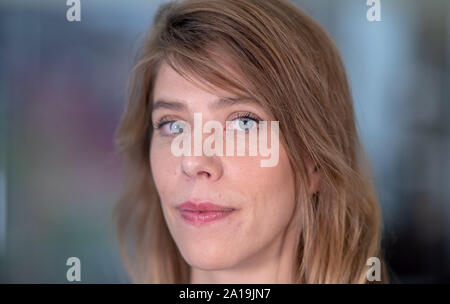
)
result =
(271, 182)
(270, 193)
(277, 197)
(163, 168)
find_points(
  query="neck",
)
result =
(273, 264)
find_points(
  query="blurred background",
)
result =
(62, 91)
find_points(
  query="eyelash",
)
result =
(248, 115)
(160, 123)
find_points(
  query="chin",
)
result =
(208, 258)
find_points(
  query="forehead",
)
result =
(170, 84)
(180, 93)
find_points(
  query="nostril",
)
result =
(205, 173)
(201, 167)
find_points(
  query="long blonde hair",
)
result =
(293, 69)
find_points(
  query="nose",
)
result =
(207, 167)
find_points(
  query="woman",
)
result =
(313, 217)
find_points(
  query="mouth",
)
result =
(203, 213)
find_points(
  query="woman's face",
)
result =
(235, 209)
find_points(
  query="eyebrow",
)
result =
(217, 104)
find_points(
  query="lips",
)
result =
(202, 213)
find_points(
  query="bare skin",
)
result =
(256, 242)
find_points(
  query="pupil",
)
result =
(245, 123)
(176, 128)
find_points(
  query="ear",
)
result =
(314, 176)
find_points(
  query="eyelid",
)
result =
(163, 120)
(246, 115)
(170, 118)
(161, 129)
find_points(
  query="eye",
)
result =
(168, 128)
(245, 122)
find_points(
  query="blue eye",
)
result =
(168, 128)
(176, 127)
(245, 123)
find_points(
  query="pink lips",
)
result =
(203, 213)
